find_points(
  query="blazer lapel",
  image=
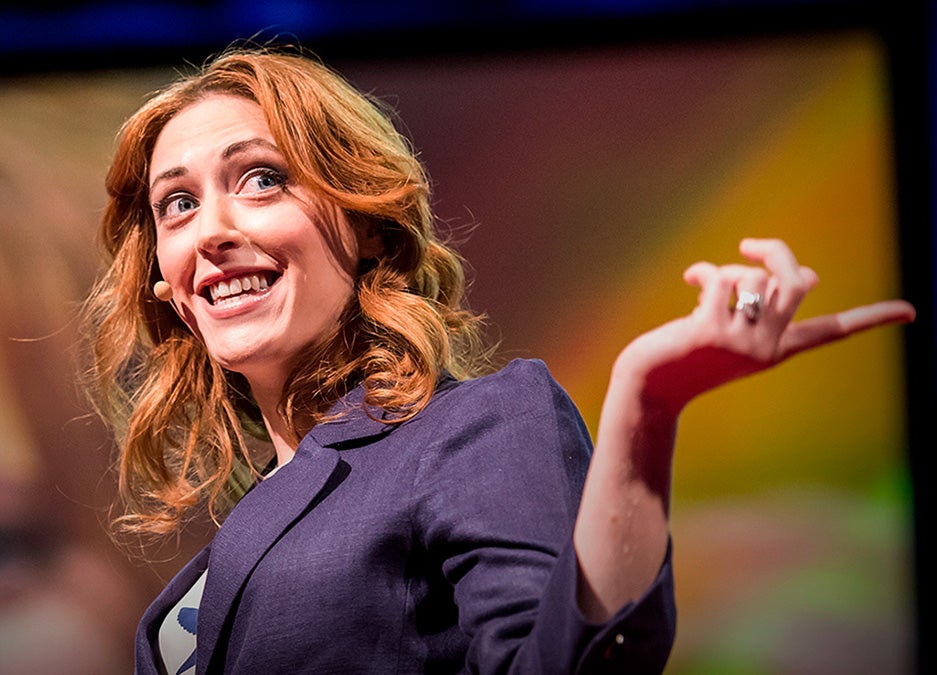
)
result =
(252, 527)
(266, 512)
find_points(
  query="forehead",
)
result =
(203, 129)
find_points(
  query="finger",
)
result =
(749, 299)
(809, 276)
(733, 272)
(792, 280)
(773, 254)
(715, 289)
(771, 300)
(886, 312)
(821, 330)
(698, 273)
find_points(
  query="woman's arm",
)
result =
(622, 528)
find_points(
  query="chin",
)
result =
(261, 362)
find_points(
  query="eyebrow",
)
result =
(175, 172)
(242, 146)
(226, 154)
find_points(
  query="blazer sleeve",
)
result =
(497, 498)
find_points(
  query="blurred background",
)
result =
(583, 154)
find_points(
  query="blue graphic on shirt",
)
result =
(188, 619)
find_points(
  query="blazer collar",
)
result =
(358, 424)
(355, 423)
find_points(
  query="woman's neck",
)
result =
(268, 400)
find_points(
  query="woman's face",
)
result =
(259, 267)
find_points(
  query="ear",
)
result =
(370, 241)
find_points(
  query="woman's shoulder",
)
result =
(524, 386)
(519, 377)
(512, 427)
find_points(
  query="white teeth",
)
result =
(232, 287)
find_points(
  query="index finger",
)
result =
(821, 330)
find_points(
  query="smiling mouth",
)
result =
(237, 287)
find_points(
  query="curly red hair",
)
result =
(179, 417)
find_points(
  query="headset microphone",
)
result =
(162, 291)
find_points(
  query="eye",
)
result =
(261, 180)
(174, 205)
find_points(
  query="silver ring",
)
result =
(749, 304)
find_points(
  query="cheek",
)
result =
(170, 258)
(160, 259)
(338, 261)
(327, 226)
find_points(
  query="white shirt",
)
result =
(177, 632)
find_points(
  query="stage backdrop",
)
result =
(579, 185)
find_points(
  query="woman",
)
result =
(420, 514)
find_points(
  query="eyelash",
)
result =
(162, 205)
(279, 179)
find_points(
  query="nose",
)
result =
(217, 227)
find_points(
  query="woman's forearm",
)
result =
(621, 531)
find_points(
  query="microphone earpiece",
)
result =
(162, 290)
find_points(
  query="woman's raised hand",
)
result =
(743, 323)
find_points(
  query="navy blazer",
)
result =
(439, 545)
